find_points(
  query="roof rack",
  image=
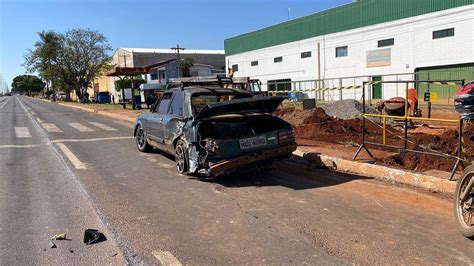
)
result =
(219, 79)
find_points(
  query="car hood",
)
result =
(258, 104)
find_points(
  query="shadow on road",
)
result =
(288, 174)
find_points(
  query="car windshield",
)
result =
(201, 100)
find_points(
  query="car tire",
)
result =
(181, 157)
(140, 140)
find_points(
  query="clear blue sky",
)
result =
(194, 24)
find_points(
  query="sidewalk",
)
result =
(113, 111)
(317, 156)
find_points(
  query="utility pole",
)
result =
(289, 10)
(125, 60)
(177, 49)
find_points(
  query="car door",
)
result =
(154, 126)
(174, 121)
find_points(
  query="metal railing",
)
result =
(460, 157)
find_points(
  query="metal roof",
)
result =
(354, 15)
(170, 51)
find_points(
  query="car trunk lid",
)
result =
(260, 104)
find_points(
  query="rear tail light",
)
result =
(285, 136)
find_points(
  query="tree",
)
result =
(80, 56)
(43, 58)
(185, 66)
(27, 83)
(126, 83)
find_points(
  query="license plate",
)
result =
(253, 142)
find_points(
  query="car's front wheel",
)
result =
(140, 139)
(181, 157)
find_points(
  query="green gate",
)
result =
(445, 93)
(377, 88)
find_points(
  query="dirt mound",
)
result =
(347, 109)
(293, 115)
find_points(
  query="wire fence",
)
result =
(335, 89)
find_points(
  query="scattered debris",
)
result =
(51, 244)
(92, 236)
(59, 237)
(56, 237)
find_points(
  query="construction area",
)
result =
(335, 129)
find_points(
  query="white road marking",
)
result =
(19, 146)
(89, 140)
(72, 158)
(102, 126)
(39, 120)
(80, 127)
(166, 258)
(51, 128)
(22, 132)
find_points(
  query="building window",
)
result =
(235, 68)
(443, 33)
(254, 63)
(278, 59)
(154, 76)
(342, 51)
(387, 42)
(306, 54)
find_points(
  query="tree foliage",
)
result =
(27, 84)
(126, 83)
(185, 65)
(70, 60)
(42, 58)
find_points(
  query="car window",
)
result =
(176, 106)
(200, 101)
(162, 107)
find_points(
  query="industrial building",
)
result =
(366, 40)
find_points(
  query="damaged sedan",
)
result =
(215, 131)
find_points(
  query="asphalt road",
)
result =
(70, 170)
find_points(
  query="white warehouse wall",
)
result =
(414, 48)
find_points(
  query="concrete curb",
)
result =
(101, 112)
(426, 182)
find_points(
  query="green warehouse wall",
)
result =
(350, 16)
(457, 72)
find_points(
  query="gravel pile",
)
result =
(347, 109)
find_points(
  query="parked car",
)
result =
(61, 96)
(214, 130)
(464, 101)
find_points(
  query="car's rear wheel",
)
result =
(181, 157)
(140, 139)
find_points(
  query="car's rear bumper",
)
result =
(231, 164)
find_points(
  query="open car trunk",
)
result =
(240, 126)
(262, 104)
